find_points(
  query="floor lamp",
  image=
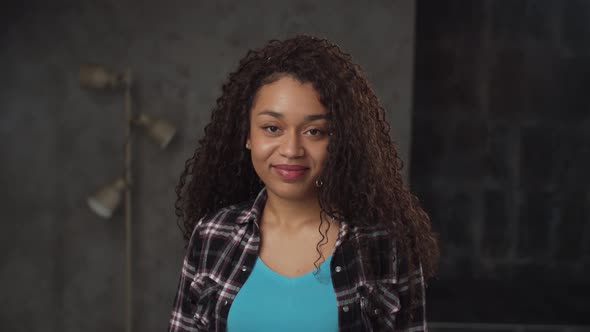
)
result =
(108, 197)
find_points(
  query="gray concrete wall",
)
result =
(62, 267)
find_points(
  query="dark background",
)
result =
(501, 157)
(487, 99)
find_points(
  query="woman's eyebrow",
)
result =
(308, 118)
(313, 117)
(271, 113)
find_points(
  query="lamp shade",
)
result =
(107, 198)
(94, 76)
(159, 130)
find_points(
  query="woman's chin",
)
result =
(291, 191)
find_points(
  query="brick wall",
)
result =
(501, 156)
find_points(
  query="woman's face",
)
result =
(288, 137)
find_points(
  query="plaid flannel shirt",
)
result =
(224, 246)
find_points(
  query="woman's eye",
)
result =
(271, 129)
(315, 132)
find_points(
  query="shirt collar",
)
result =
(253, 214)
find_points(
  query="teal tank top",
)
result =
(269, 301)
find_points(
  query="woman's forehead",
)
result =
(288, 97)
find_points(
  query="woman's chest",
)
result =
(269, 301)
(296, 253)
(359, 301)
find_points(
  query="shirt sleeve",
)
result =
(418, 321)
(182, 319)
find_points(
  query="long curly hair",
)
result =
(362, 182)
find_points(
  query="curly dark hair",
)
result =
(362, 182)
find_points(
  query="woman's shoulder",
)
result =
(224, 217)
(375, 238)
(375, 231)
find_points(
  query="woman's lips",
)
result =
(290, 172)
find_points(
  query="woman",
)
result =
(294, 207)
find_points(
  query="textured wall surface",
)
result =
(500, 157)
(62, 267)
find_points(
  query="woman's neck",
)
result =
(291, 214)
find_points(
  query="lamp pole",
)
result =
(128, 225)
(107, 198)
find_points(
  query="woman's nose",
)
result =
(291, 146)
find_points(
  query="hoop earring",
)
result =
(318, 183)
